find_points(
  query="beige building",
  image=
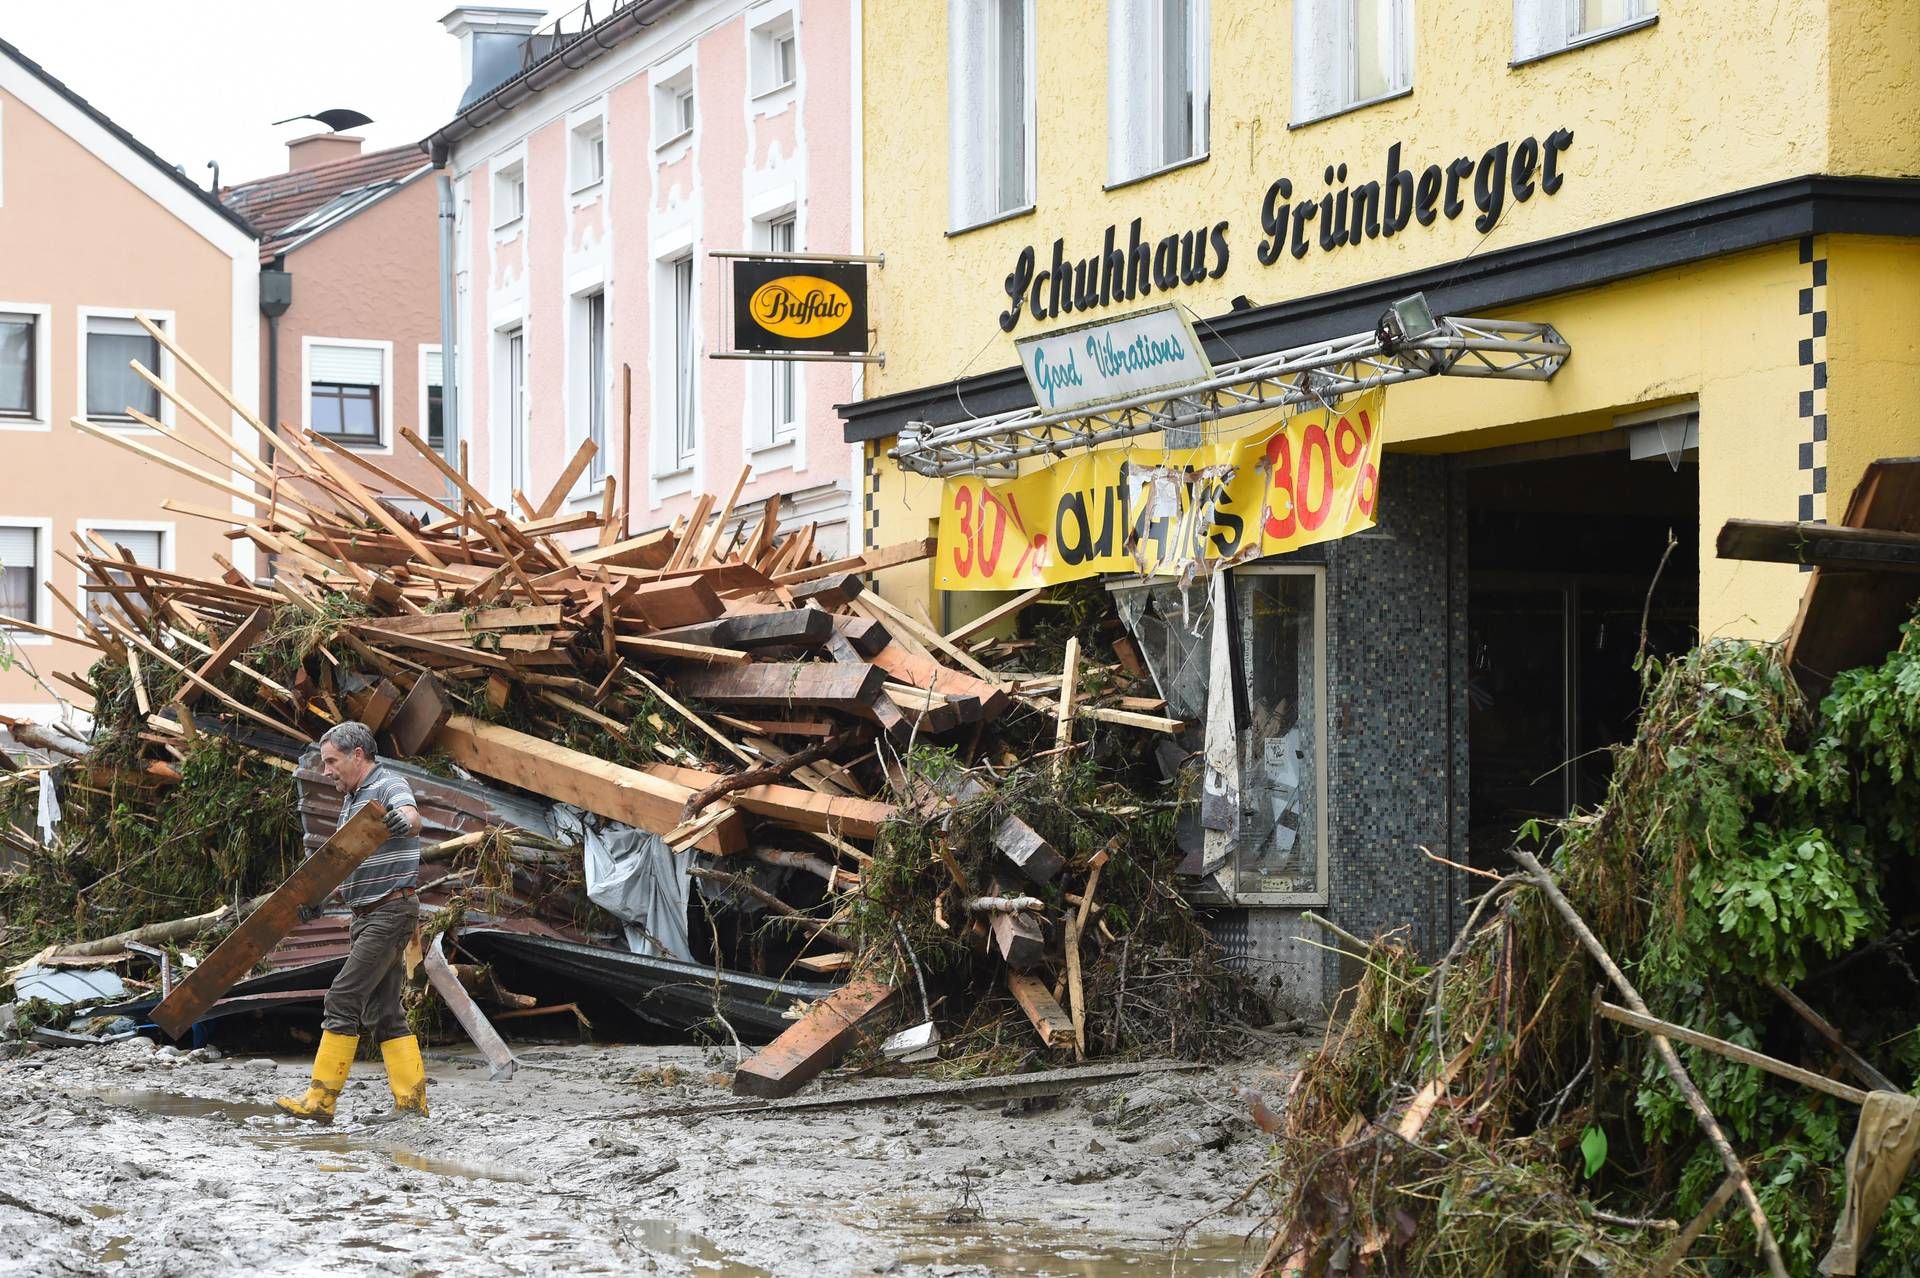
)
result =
(348, 243)
(94, 229)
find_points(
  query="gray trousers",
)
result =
(365, 997)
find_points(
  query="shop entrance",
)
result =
(1561, 555)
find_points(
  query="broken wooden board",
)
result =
(1850, 617)
(1049, 1019)
(1820, 545)
(832, 592)
(267, 926)
(418, 718)
(500, 1058)
(569, 776)
(815, 1042)
(242, 637)
(785, 628)
(925, 672)
(1019, 939)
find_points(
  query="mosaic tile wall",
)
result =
(1396, 732)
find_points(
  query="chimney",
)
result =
(320, 148)
(490, 39)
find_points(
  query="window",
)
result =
(773, 53)
(673, 104)
(1347, 53)
(781, 412)
(345, 390)
(509, 194)
(1157, 84)
(20, 574)
(595, 323)
(684, 342)
(19, 365)
(515, 406)
(113, 388)
(589, 157)
(433, 380)
(990, 109)
(1541, 27)
(148, 546)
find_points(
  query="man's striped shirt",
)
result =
(395, 863)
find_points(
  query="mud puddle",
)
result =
(1016, 1248)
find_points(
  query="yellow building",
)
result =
(1715, 206)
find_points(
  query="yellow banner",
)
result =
(1313, 478)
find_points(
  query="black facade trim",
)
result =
(1776, 213)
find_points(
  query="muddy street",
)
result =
(143, 1161)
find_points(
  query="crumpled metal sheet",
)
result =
(69, 986)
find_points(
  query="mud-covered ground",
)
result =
(132, 1160)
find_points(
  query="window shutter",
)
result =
(1320, 56)
(1134, 80)
(346, 365)
(969, 64)
(18, 547)
(433, 369)
(143, 542)
(1539, 26)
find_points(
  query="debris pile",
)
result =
(1683, 1044)
(612, 735)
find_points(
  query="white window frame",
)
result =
(165, 319)
(580, 382)
(775, 445)
(165, 528)
(384, 446)
(975, 126)
(586, 133)
(669, 89)
(681, 439)
(42, 419)
(1326, 63)
(510, 409)
(763, 54)
(1137, 106)
(420, 382)
(1543, 28)
(43, 571)
(509, 176)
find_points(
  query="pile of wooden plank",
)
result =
(749, 696)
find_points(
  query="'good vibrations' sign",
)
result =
(1096, 363)
(800, 306)
(1315, 477)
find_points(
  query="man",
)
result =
(365, 996)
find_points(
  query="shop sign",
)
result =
(1314, 477)
(800, 306)
(1097, 363)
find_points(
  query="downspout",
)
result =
(449, 350)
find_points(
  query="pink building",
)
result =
(592, 174)
(349, 242)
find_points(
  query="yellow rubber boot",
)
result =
(330, 1066)
(406, 1075)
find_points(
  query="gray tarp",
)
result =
(634, 876)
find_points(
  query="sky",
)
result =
(201, 80)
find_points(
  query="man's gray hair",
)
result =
(350, 736)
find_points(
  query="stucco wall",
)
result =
(374, 277)
(74, 233)
(748, 156)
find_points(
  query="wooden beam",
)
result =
(1733, 1052)
(666, 604)
(376, 508)
(815, 1042)
(790, 805)
(569, 776)
(832, 592)
(582, 458)
(242, 637)
(1824, 545)
(1032, 855)
(851, 688)
(932, 638)
(874, 560)
(131, 637)
(263, 929)
(1063, 723)
(985, 620)
(649, 550)
(1019, 938)
(1042, 1009)
(657, 647)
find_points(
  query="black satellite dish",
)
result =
(335, 118)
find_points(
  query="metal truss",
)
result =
(1307, 376)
